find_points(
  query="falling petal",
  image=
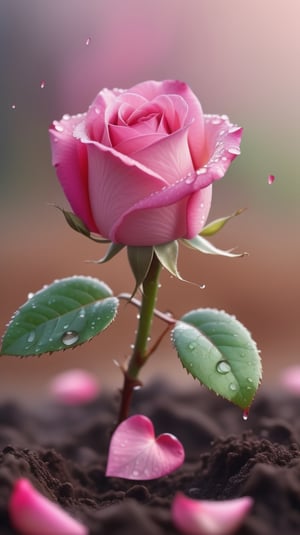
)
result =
(290, 379)
(203, 517)
(74, 387)
(31, 513)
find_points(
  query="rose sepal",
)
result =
(204, 246)
(167, 254)
(79, 226)
(217, 224)
(140, 259)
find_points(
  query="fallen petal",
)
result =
(135, 453)
(31, 513)
(203, 517)
(290, 379)
(74, 387)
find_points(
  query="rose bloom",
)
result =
(138, 166)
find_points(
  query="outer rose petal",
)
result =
(197, 211)
(69, 156)
(115, 183)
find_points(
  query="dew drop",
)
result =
(191, 346)
(58, 127)
(88, 41)
(30, 295)
(201, 171)
(189, 179)
(13, 106)
(223, 367)
(246, 414)
(233, 387)
(82, 313)
(271, 179)
(202, 286)
(69, 338)
(234, 150)
(66, 117)
(31, 337)
(135, 473)
(42, 84)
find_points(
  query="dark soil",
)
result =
(62, 450)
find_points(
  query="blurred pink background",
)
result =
(241, 59)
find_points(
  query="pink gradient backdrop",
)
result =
(240, 58)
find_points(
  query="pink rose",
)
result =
(138, 166)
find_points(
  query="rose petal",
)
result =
(74, 387)
(69, 156)
(202, 517)
(151, 89)
(290, 379)
(135, 453)
(116, 182)
(31, 513)
(197, 211)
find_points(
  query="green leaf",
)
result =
(216, 225)
(167, 254)
(219, 351)
(65, 314)
(140, 259)
(204, 246)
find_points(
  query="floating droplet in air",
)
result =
(271, 179)
(13, 106)
(88, 41)
(246, 414)
(42, 84)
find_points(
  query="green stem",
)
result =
(140, 354)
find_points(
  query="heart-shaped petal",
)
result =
(135, 453)
(31, 513)
(203, 517)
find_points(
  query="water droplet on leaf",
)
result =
(191, 346)
(233, 387)
(223, 367)
(246, 414)
(31, 337)
(69, 338)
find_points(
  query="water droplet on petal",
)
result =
(246, 414)
(189, 179)
(201, 171)
(69, 338)
(271, 179)
(58, 127)
(42, 84)
(88, 41)
(223, 367)
(66, 117)
(31, 337)
(234, 150)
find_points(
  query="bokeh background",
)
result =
(241, 59)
